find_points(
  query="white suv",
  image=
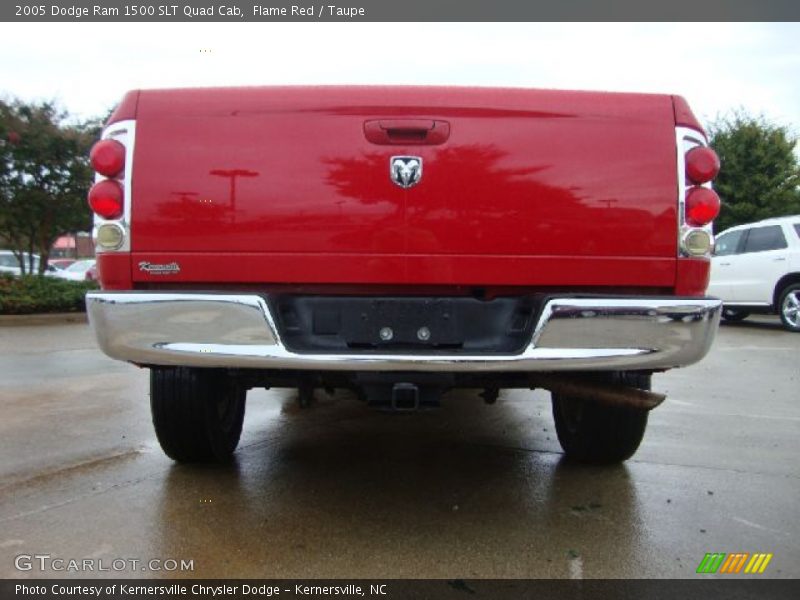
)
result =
(756, 268)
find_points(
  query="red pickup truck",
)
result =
(401, 242)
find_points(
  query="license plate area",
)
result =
(396, 324)
(392, 321)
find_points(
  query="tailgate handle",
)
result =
(407, 131)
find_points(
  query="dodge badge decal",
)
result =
(405, 171)
(155, 269)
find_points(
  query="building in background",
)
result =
(73, 245)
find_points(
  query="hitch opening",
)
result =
(405, 396)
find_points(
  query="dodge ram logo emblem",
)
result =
(405, 171)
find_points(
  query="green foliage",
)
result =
(34, 294)
(44, 176)
(760, 174)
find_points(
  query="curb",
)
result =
(42, 319)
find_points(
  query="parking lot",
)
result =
(337, 490)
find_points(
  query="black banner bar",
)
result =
(739, 588)
(401, 11)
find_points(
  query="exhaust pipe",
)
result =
(601, 393)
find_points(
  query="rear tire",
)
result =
(789, 307)
(734, 315)
(197, 413)
(592, 433)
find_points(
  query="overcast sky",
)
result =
(717, 67)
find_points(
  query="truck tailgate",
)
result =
(531, 187)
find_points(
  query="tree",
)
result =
(760, 174)
(44, 177)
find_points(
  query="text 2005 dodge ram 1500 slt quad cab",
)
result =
(400, 242)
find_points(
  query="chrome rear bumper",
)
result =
(238, 330)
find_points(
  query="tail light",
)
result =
(698, 204)
(702, 206)
(702, 164)
(108, 157)
(107, 198)
(110, 196)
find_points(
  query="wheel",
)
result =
(593, 433)
(789, 305)
(197, 413)
(734, 315)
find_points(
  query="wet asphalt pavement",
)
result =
(470, 490)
